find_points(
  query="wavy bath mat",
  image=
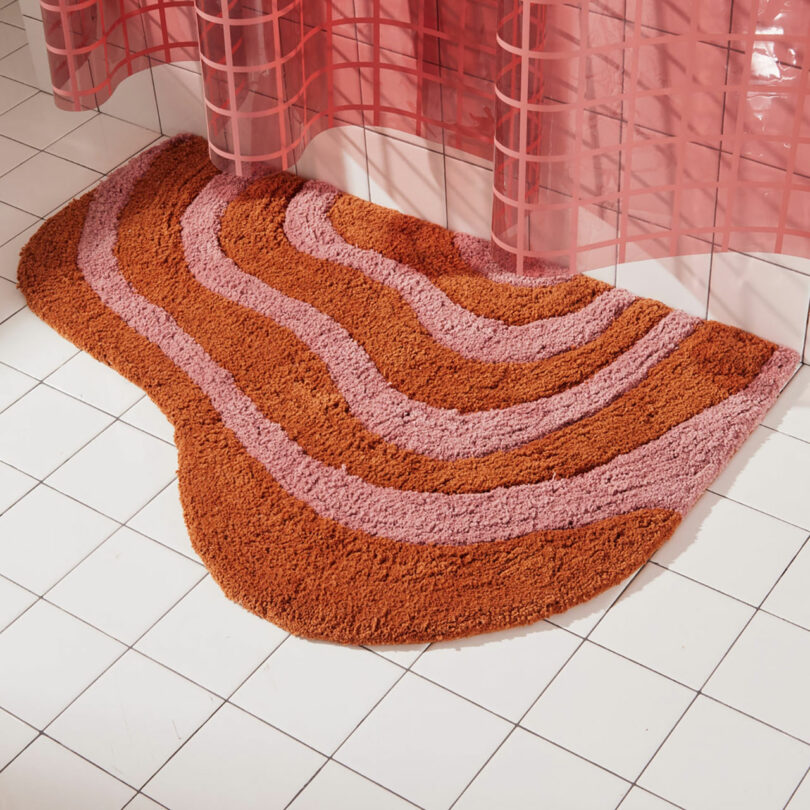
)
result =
(382, 438)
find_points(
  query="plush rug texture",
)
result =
(382, 436)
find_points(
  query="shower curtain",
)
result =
(618, 129)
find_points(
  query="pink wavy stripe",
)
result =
(436, 432)
(309, 229)
(477, 254)
(669, 472)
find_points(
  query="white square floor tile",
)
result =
(162, 520)
(19, 66)
(14, 736)
(44, 182)
(13, 601)
(11, 38)
(48, 659)
(46, 534)
(47, 776)
(528, 772)
(770, 473)
(13, 384)
(211, 640)
(672, 625)
(145, 415)
(44, 428)
(317, 691)
(12, 93)
(582, 618)
(766, 674)
(13, 485)
(12, 221)
(31, 346)
(423, 743)
(39, 122)
(505, 671)
(789, 598)
(126, 585)
(12, 153)
(717, 758)
(133, 718)
(338, 788)
(234, 761)
(10, 250)
(731, 547)
(801, 799)
(791, 414)
(609, 710)
(11, 299)
(638, 799)
(87, 379)
(103, 143)
(118, 472)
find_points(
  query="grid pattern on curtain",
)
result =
(618, 129)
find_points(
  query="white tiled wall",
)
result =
(766, 293)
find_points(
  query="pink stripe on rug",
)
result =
(309, 229)
(435, 432)
(685, 459)
(476, 253)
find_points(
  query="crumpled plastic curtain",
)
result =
(618, 129)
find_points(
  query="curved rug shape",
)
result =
(382, 438)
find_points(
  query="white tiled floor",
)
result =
(127, 679)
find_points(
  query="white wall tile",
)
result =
(770, 301)
(681, 282)
(179, 100)
(337, 156)
(469, 198)
(134, 101)
(406, 177)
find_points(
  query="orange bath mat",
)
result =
(382, 436)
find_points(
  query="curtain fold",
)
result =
(617, 129)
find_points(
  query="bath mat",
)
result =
(382, 436)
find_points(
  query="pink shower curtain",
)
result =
(619, 129)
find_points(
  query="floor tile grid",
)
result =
(405, 669)
(226, 699)
(586, 638)
(700, 692)
(47, 149)
(515, 725)
(127, 648)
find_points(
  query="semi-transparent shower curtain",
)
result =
(618, 129)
